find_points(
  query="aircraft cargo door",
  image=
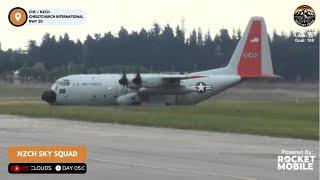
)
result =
(110, 92)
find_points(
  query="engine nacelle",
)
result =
(129, 99)
(146, 82)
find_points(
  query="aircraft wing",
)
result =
(167, 80)
(166, 85)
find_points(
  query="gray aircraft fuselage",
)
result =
(104, 89)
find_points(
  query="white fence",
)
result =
(26, 80)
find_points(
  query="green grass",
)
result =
(281, 119)
(14, 92)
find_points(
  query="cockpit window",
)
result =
(64, 82)
(62, 91)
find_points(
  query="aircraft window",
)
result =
(62, 91)
(65, 82)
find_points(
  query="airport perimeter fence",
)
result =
(27, 80)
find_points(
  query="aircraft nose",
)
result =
(49, 96)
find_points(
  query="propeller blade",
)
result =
(123, 81)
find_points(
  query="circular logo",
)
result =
(201, 87)
(17, 16)
(58, 168)
(304, 15)
(16, 168)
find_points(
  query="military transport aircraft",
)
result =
(250, 60)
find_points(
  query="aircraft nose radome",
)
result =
(49, 96)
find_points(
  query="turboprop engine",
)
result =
(129, 99)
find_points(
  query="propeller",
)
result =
(137, 80)
(123, 81)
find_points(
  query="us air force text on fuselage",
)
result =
(56, 16)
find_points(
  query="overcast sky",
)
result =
(110, 15)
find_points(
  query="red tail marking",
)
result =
(250, 61)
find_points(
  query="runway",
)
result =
(121, 152)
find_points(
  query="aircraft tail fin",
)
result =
(251, 58)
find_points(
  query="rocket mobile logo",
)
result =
(304, 15)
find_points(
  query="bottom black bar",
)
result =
(47, 168)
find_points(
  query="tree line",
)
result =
(155, 50)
